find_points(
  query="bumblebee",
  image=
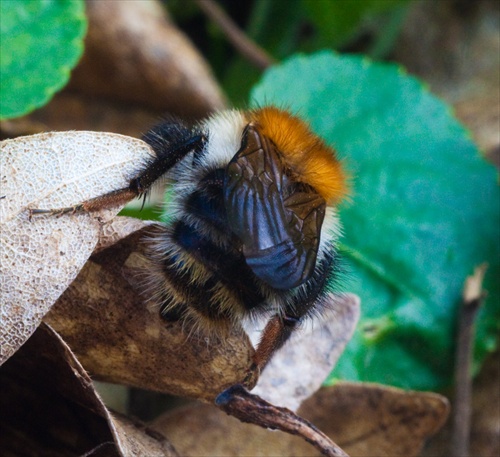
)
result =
(252, 226)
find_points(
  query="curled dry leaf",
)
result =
(134, 53)
(313, 352)
(118, 338)
(40, 257)
(62, 415)
(365, 420)
(133, 438)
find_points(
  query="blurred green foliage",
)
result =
(285, 27)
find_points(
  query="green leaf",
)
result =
(148, 213)
(425, 211)
(42, 41)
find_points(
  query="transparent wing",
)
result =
(278, 220)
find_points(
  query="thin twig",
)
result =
(249, 49)
(473, 298)
(238, 402)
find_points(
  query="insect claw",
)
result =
(36, 212)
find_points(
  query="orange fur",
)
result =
(308, 156)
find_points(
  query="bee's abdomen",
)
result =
(205, 270)
(226, 265)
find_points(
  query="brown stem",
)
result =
(250, 50)
(238, 402)
(473, 298)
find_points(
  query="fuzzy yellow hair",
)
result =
(307, 155)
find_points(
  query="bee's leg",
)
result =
(275, 334)
(280, 327)
(247, 407)
(115, 198)
(164, 161)
(237, 401)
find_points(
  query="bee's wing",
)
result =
(280, 231)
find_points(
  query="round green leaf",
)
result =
(425, 211)
(42, 41)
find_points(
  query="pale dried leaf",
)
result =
(66, 416)
(40, 258)
(312, 351)
(119, 338)
(365, 420)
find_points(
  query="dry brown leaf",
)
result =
(312, 351)
(365, 420)
(50, 408)
(40, 258)
(370, 419)
(118, 338)
(134, 53)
